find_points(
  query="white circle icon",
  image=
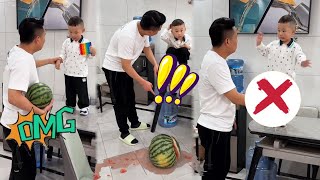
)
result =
(272, 99)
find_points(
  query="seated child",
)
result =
(178, 42)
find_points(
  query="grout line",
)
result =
(104, 149)
(175, 13)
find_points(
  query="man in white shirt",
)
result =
(125, 47)
(218, 97)
(20, 73)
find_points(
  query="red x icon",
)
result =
(274, 95)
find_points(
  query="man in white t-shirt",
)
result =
(20, 73)
(218, 96)
(125, 47)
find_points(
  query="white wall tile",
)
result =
(113, 12)
(46, 75)
(89, 15)
(309, 88)
(167, 7)
(59, 87)
(11, 39)
(106, 33)
(11, 16)
(59, 38)
(202, 14)
(309, 46)
(3, 54)
(102, 54)
(2, 17)
(315, 13)
(136, 8)
(201, 46)
(2, 65)
(160, 46)
(92, 82)
(184, 11)
(91, 36)
(220, 9)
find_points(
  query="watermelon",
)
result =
(164, 151)
(39, 94)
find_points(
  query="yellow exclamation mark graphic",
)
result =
(188, 84)
(177, 79)
(166, 69)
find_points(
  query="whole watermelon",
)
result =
(164, 151)
(39, 94)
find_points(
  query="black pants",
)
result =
(76, 86)
(217, 153)
(23, 166)
(182, 54)
(123, 98)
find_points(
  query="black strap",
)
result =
(18, 157)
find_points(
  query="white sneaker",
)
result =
(84, 111)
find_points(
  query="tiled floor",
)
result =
(110, 147)
(113, 147)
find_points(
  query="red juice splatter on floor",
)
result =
(141, 157)
(123, 170)
(188, 157)
(96, 176)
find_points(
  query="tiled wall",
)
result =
(208, 10)
(55, 79)
(205, 11)
(114, 14)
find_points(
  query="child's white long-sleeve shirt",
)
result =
(168, 37)
(282, 57)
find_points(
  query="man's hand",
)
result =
(306, 63)
(186, 46)
(47, 108)
(54, 60)
(93, 51)
(155, 69)
(57, 64)
(147, 86)
(259, 38)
